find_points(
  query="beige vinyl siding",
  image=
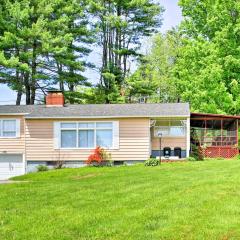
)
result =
(171, 142)
(13, 145)
(133, 141)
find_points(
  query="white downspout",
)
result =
(150, 140)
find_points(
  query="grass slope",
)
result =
(194, 200)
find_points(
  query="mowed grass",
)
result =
(193, 200)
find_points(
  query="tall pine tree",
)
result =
(122, 25)
(40, 44)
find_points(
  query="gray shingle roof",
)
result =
(100, 110)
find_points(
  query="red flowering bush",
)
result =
(96, 156)
(99, 156)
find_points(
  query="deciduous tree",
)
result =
(209, 60)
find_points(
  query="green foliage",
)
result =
(195, 153)
(152, 162)
(121, 27)
(40, 45)
(191, 159)
(42, 168)
(107, 157)
(44, 44)
(154, 77)
(208, 61)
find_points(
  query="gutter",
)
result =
(14, 114)
(107, 117)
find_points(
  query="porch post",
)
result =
(150, 138)
(188, 138)
(221, 132)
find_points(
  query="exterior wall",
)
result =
(134, 141)
(171, 142)
(13, 145)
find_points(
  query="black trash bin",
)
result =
(178, 152)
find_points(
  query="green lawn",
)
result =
(194, 200)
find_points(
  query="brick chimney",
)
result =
(55, 98)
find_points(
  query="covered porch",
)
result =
(214, 135)
(170, 138)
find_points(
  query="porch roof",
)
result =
(213, 116)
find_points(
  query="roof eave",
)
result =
(13, 114)
(214, 115)
(107, 117)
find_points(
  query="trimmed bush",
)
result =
(152, 162)
(42, 168)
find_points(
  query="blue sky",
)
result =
(171, 17)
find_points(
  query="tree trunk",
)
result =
(33, 95)
(19, 97)
(61, 85)
(34, 71)
(27, 88)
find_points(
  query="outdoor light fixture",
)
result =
(160, 147)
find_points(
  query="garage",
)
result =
(11, 165)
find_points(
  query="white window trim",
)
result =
(168, 128)
(59, 138)
(17, 130)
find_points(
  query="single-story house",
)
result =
(44, 134)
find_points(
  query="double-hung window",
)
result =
(104, 134)
(8, 128)
(86, 134)
(68, 135)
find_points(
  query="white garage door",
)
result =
(11, 165)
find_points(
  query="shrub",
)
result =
(191, 159)
(195, 153)
(100, 157)
(59, 164)
(42, 168)
(152, 162)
